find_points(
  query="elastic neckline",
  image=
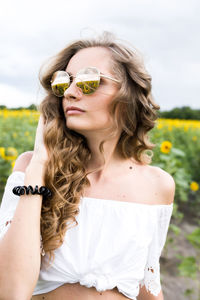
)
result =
(125, 202)
(110, 201)
(17, 172)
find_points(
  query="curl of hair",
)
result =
(133, 111)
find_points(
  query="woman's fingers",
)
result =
(39, 133)
(40, 151)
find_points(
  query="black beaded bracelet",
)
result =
(21, 190)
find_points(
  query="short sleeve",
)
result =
(151, 278)
(9, 203)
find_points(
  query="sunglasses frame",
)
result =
(99, 74)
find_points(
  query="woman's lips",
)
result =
(74, 112)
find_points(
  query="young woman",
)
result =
(101, 232)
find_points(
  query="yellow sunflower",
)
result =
(11, 153)
(2, 152)
(194, 138)
(194, 186)
(165, 147)
(26, 133)
(14, 134)
(12, 164)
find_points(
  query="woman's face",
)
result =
(96, 115)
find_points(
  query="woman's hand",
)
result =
(40, 154)
(146, 295)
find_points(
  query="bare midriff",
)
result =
(75, 291)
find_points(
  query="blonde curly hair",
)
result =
(133, 110)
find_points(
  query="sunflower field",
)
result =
(17, 129)
(177, 150)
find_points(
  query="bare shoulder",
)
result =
(23, 161)
(164, 182)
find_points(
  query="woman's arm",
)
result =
(20, 247)
(144, 295)
(166, 190)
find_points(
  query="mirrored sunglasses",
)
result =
(87, 79)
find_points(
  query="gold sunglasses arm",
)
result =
(105, 76)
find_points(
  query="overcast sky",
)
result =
(165, 32)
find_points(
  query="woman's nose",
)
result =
(73, 91)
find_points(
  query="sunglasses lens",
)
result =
(88, 80)
(60, 82)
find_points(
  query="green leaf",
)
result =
(188, 267)
(178, 152)
(165, 157)
(175, 229)
(194, 238)
(189, 292)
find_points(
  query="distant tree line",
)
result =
(31, 107)
(185, 112)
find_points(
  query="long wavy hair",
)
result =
(133, 110)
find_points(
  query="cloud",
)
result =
(11, 96)
(166, 32)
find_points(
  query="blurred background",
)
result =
(166, 33)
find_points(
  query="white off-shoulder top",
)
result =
(115, 244)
